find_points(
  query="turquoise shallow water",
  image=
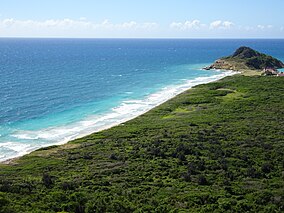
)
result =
(55, 90)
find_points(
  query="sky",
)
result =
(142, 19)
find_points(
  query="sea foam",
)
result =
(127, 110)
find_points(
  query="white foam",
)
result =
(25, 136)
(15, 149)
(127, 110)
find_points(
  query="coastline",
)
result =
(171, 93)
(214, 136)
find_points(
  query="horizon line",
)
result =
(140, 38)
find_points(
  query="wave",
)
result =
(127, 110)
(15, 149)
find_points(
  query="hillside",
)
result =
(216, 148)
(245, 58)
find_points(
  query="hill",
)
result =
(245, 58)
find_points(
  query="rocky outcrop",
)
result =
(245, 58)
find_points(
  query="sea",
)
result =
(56, 90)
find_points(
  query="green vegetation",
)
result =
(218, 147)
(255, 60)
(247, 59)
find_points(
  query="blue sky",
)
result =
(142, 19)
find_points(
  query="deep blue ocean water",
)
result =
(55, 90)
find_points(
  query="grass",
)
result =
(215, 148)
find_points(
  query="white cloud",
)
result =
(68, 27)
(70, 23)
(215, 24)
(187, 25)
(221, 24)
(82, 27)
(264, 27)
(196, 24)
(7, 22)
(131, 24)
(63, 23)
(176, 25)
(106, 24)
(228, 24)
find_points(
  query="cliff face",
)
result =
(245, 58)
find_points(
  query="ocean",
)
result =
(56, 90)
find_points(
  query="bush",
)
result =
(202, 180)
(47, 180)
(266, 168)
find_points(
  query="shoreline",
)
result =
(173, 91)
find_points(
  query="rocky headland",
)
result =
(246, 59)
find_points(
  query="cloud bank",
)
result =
(70, 27)
(69, 23)
(221, 24)
(223, 29)
(82, 27)
(195, 24)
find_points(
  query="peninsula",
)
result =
(247, 60)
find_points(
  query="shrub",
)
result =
(47, 180)
(202, 180)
